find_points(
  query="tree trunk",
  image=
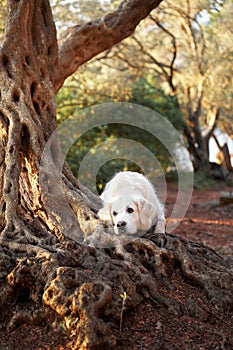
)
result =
(53, 277)
(198, 140)
(225, 157)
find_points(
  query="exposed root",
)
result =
(81, 285)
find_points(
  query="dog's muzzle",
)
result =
(121, 224)
(120, 227)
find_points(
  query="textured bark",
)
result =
(54, 278)
(81, 43)
(80, 286)
(198, 140)
(27, 110)
(225, 155)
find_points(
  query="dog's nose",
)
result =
(121, 223)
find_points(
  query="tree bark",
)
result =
(81, 43)
(225, 156)
(198, 140)
(56, 277)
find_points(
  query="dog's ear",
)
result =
(146, 212)
(104, 195)
(105, 213)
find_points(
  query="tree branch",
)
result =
(211, 121)
(81, 43)
(224, 149)
(174, 53)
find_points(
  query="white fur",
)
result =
(131, 204)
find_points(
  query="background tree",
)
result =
(182, 46)
(46, 276)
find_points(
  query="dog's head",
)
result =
(129, 215)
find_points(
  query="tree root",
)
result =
(80, 286)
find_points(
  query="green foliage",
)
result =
(202, 182)
(142, 93)
(145, 93)
(123, 297)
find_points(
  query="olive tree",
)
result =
(57, 277)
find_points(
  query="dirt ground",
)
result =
(206, 221)
(150, 326)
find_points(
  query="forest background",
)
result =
(178, 62)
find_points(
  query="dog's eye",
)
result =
(130, 210)
(114, 213)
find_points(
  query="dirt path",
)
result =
(206, 221)
(151, 327)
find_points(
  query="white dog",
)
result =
(131, 204)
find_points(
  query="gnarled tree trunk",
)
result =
(57, 278)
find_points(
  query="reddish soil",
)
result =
(151, 326)
(206, 221)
